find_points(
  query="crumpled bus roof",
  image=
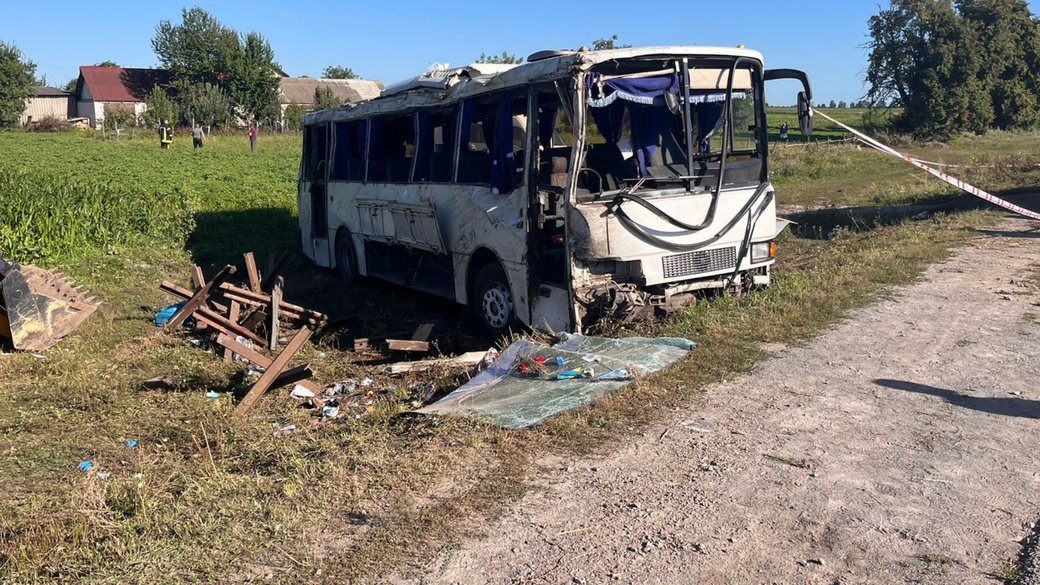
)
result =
(476, 82)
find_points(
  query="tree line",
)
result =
(956, 65)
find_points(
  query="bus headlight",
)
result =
(763, 251)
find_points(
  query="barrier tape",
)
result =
(962, 185)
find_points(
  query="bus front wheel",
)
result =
(492, 300)
(346, 260)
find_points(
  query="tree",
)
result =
(842, 104)
(833, 104)
(324, 99)
(207, 104)
(118, 117)
(608, 43)
(337, 72)
(106, 63)
(252, 77)
(159, 106)
(1011, 73)
(70, 85)
(955, 70)
(17, 76)
(505, 59)
(198, 50)
(294, 113)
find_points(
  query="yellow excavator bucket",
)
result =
(38, 307)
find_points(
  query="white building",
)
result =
(48, 102)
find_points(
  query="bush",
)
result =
(119, 117)
(49, 124)
(294, 113)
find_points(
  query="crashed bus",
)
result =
(577, 186)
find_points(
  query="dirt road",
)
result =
(902, 446)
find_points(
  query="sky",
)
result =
(393, 40)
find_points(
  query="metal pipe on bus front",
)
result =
(727, 125)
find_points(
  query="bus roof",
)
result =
(472, 81)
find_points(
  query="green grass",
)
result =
(210, 497)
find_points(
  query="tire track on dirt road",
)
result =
(899, 446)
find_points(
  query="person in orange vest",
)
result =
(165, 134)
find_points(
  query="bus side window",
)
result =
(391, 146)
(316, 145)
(483, 159)
(434, 146)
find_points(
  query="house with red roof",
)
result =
(98, 87)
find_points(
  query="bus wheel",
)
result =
(492, 301)
(346, 260)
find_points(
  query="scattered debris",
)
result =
(86, 465)
(103, 475)
(39, 307)
(131, 443)
(160, 383)
(466, 360)
(249, 318)
(212, 394)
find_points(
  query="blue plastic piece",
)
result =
(131, 443)
(85, 465)
(559, 360)
(167, 313)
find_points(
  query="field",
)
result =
(208, 497)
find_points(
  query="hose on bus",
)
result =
(629, 224)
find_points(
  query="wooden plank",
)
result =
(272, 275)
(296, 375)
(407, 345)
(254, 320)
(233, 315)
(466, 360)
(260, 299)
(258, 358)
(196, 277)
(272, 372)
(422, 332)
(186, 294)
(362, 344)
(220, 323)
(276, 299)
(198, 299)
(251, 272)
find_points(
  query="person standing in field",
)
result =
(197, 135)
(252, 137)
(783, 131)
(165, 134)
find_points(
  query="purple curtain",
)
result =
(646, 132)
(360, 133)
(502, 162)
(423, 148)
(374, 125)
(609, 119)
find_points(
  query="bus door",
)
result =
(548, 274)
(314, 207)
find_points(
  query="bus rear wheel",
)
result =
(346, 260)
(492, 300)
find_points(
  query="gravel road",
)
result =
(901, 446)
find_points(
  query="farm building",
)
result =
(301, 90)
(48, 102)
(98, 87)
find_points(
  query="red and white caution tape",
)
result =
(966, 187)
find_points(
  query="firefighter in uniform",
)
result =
(165, 134)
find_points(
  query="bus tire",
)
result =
(346, 259)
(492, 300)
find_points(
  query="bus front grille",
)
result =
(699, 261)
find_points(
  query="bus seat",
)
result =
(552, 168)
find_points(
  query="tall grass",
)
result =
(51, 219)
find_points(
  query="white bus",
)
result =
(576, 186)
